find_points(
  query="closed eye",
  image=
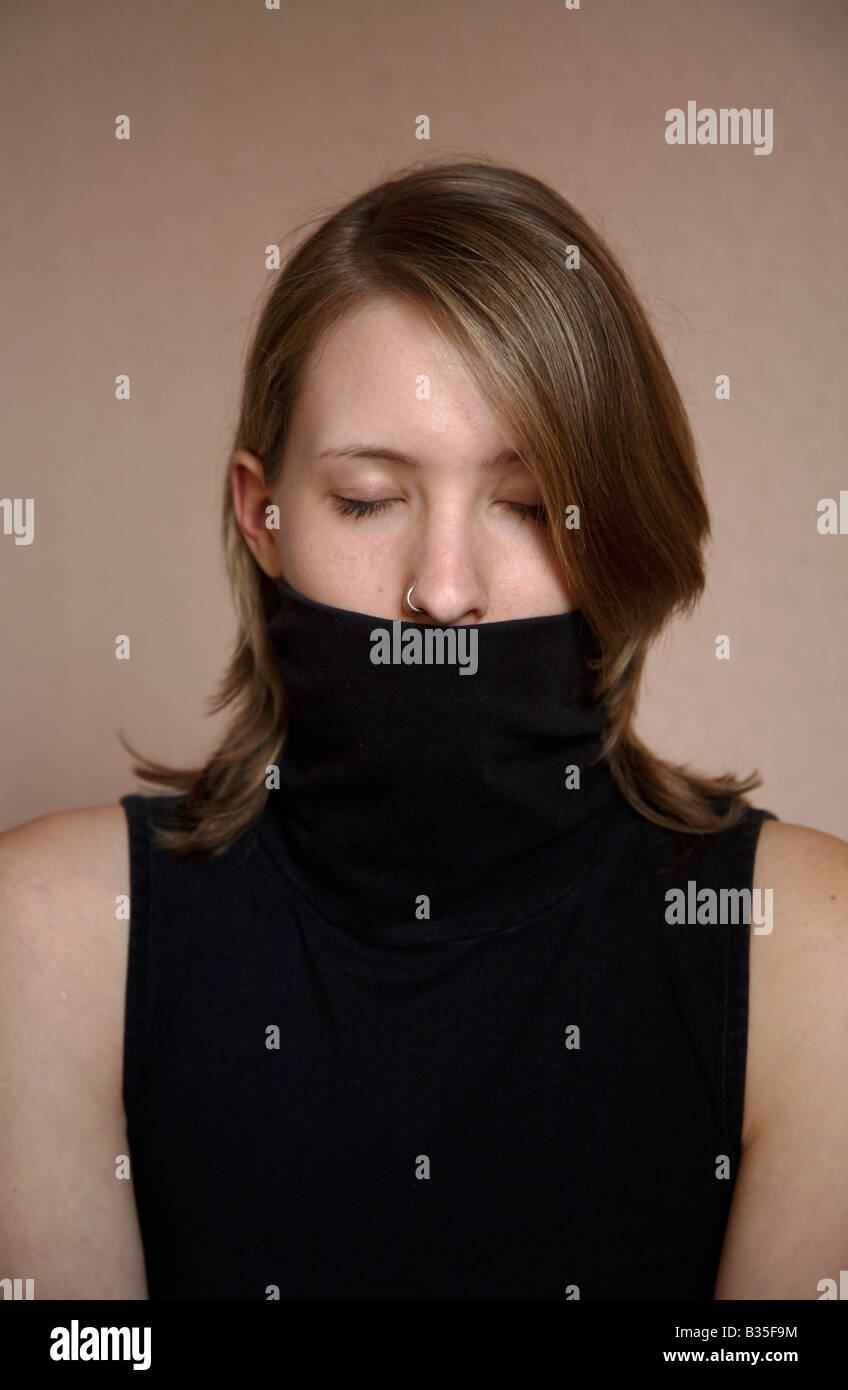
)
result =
(356, 507)
(529, 513)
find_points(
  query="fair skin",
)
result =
(459, 530)
(451, 528)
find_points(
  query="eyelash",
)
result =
(355, 507)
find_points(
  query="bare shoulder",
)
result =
(89, 845)
(60, 877)
(800, 859)
(799, 962)
(66, 1217)
(63, 943)
(787, 1231)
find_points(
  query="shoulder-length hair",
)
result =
(548, 324)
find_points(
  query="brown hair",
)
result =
(548, 324)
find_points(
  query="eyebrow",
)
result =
(381, 451)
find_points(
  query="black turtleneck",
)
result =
(539, 1098)
(472, 788)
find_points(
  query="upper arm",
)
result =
(788, 1223)
(67, 1218)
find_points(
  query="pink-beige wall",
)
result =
(147, 257)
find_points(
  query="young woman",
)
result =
(437, 983)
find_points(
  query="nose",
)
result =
(446, 570)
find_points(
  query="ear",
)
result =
(255, 512)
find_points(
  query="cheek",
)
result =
(302, 523)
(527, 555)
(296, 537)
(322, 553)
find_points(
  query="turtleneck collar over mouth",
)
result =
(435, 783)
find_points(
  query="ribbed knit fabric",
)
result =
(431, 1029)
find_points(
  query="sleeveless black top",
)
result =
(450, 1020)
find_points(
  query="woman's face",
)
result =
(358, 527)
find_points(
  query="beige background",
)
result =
(147, 257)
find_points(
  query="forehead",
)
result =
(385, 361)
